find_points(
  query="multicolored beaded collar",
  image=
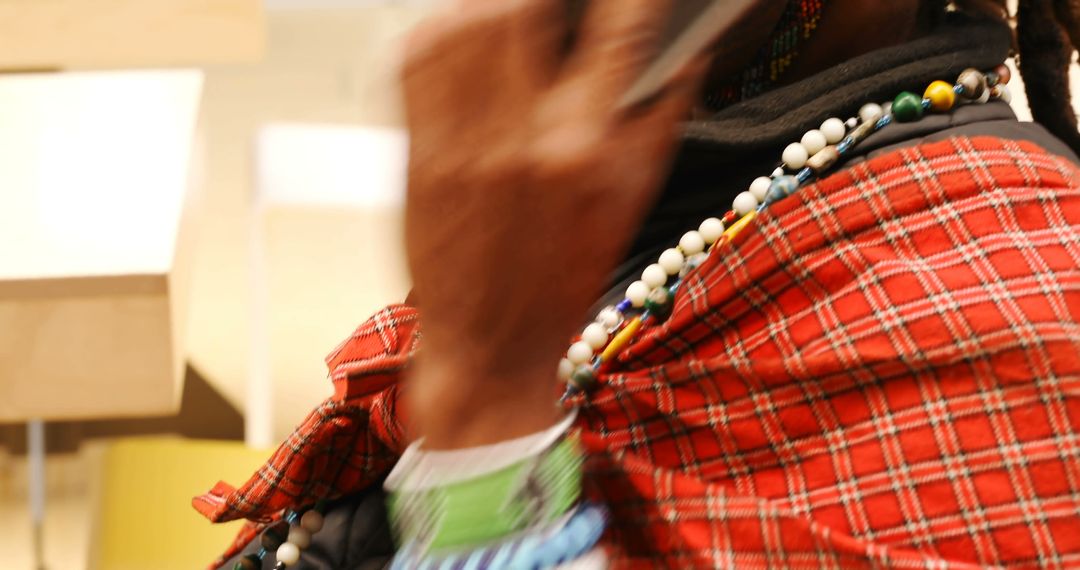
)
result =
(797, 23)
(650, 300)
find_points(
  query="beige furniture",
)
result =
(80, 34)
(95, 177)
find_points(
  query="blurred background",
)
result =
(199, 199)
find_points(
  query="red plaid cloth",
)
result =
(882, 372)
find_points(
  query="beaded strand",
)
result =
(287, 538)
(650, 299)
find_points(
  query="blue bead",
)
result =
(845, 145)
(624, 306)
(926, 103)
(804, 174)
(781, 188)
(959, 89)
(884, 122)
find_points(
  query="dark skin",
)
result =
(520, 202)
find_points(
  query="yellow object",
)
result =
(941, 96)
(142, 516)
(739, 225)
(621, 340)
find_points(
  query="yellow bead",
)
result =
(941, 96)
(738, 226)
(621, 340)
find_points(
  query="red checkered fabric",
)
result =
(883, 371)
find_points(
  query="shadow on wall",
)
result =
(204, 414)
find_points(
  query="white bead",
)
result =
(852, 123)
(871, 113)
(692, 243)
(984, 97)
(672, 261)
(288, 553)
(760, 187)
(778, 172)
(744, 203)
(637, 292)
(566, 368)
(813, 141)
(795, 156)
(595, 335)
(299, 536)
(834, 130)
(610, 317)
(580, 352)
(312, 521)
(654, 276)
(711, 229)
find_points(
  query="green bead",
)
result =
(584, 378)
(659, 303)
(907, 107)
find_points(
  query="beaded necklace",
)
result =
(649, 300)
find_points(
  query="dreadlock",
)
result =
(1046, 33)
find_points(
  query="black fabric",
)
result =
(356, 536)
(721, 155)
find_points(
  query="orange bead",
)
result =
(941, 96)
(1004, 74)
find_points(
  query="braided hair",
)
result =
(1046, 33)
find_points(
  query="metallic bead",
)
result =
(941, 96)
(973, 82)
(583, 378)
(907, 107)
(824, 160)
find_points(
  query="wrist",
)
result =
(459, 402)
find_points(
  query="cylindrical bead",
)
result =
(823, 160)
(738, 226)
(621, 340)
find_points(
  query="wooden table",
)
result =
(96, 179)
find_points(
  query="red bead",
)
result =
(730, 217)
(1004, 74)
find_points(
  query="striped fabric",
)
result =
(882, 372)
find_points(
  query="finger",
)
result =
(616, 41)
(542, 29)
